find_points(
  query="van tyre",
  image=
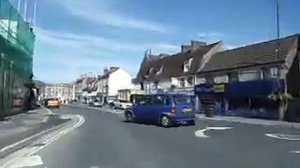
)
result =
(129, 116)
(192, 122)
(165, 121)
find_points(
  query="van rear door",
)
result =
(184, 104)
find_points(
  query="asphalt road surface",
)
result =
(105, 141)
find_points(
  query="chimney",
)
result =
(163, 55)
(105, 71)
(185, 48)
(196, 44)
(113, 68)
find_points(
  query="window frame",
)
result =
(181, 82)
(272, 74)
(154, 97)
(190, 82)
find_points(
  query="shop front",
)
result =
(248, 99)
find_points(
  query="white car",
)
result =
(95, 104)
(122, 104)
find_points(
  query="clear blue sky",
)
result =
(78, 36)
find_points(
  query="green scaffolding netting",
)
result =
(16, 52)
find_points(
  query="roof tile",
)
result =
(259, 53)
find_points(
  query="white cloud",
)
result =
(69, 54)
(101, 12)
(65, 39)
(210, 35)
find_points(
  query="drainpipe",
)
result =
(197, 101)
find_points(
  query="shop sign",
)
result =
(219, 88)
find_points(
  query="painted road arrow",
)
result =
(201, 133)
(284, 137)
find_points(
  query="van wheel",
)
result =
(129, 116)
(192, 122)
(165, 121)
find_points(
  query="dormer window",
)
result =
(150, 71)
(187, 65)
(160, 70)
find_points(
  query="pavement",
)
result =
(18, 130)
(236, 119)
(250, 121)
(104, 140)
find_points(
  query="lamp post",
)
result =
(2, 57)
(282, 101)
(277, 33)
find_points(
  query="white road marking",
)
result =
(201, 133)
(284, 137)
(297, 152)
(28, 138)
(29, 161)
(35, 147)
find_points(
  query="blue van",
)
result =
(163, 109)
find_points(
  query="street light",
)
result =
(277, 29)
(2, 57)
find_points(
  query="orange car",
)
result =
(53, 103)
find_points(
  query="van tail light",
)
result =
(173, 110)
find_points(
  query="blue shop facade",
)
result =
(247, 99)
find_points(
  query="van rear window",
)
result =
(183, 99)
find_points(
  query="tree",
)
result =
(282, 98)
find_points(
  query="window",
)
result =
(221, 79)
(183, 99)
(150, 71)
(142, 86)
(274, 72)
(201, 80)
(158, 100)
(233, 77)
(249, 75)
(181, 82)
(190, 81)
(187, 65)
(160, 70)
(168, 100)
(155, 84)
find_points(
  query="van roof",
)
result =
(171, 94)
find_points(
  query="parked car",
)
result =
(95, 103)
(121, 104)
(52, 103)
(163, 109)
(111, 104)
(74, 101)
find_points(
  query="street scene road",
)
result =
(149, 84)
(104, 140)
